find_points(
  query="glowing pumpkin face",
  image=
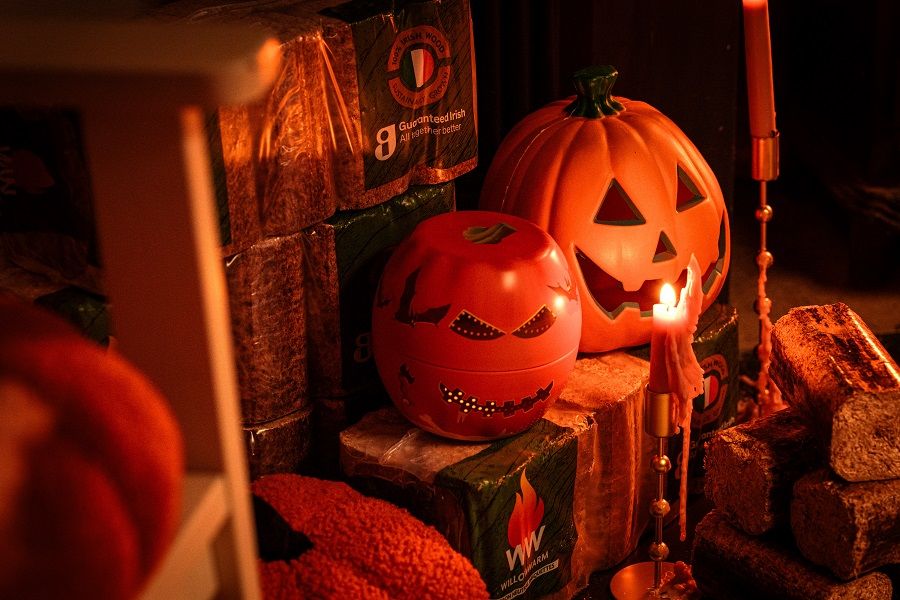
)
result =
(475, 325)
(626, 196)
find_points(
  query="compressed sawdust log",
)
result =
(829, 365)
(615, 490)
(268, 324)
(279, 446)
(729, 564)
(851, 528)
(233, 159)
(751, 468)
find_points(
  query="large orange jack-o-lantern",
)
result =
(624, 193)
(475, 325)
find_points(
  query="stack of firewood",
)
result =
(807, 500)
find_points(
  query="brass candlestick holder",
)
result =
(643, 580)
(764, 168)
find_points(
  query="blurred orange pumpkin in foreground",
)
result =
(91, 464)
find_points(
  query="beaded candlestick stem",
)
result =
(631, 583)
(764, 167)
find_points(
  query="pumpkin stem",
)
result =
(593, 86)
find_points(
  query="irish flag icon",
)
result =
(417, 68)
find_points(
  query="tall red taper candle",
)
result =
(758, 50)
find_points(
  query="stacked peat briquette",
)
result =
(315, 184)
(808, 499)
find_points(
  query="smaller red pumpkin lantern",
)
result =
(475, 325)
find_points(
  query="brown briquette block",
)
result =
(751, 468)
(729, 564)
(831, 367)
(275, 154)
(323, 309)
(606, 392)
(268, 324)
(279, 446)
(233, 158)
(292, 132)
(851, 528)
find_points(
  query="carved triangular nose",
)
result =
(665, 250)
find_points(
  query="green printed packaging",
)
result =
(345, 256)
(536, 513)
(372, 97)
(716, 347)
(507, 506)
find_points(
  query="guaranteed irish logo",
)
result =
(418, 66)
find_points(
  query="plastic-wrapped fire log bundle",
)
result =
(279, 446)
(265, 292)
(368, 102)
(538, 512)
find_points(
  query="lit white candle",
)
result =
(665, 319)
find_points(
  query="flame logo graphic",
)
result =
(526, 517)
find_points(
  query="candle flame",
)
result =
(667, 295)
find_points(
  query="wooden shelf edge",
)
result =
(204, 514)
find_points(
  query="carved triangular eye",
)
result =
(664, 248)
(617, 208)
(687, 195)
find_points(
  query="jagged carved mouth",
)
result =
(611, 297)
(489, 408)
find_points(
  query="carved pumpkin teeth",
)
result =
(717, 267)
(608, 293)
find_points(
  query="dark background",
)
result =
(681, 57)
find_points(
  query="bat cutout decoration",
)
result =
(405, 314)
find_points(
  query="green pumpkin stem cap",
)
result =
(593, 86)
